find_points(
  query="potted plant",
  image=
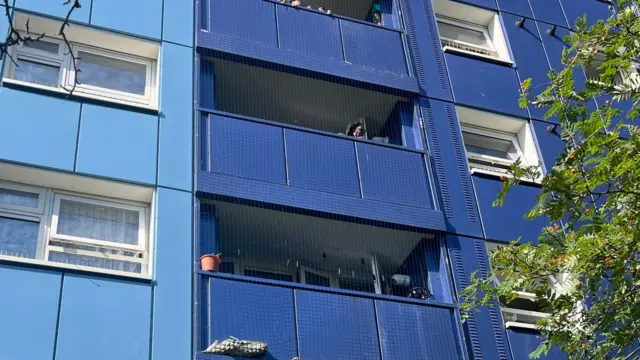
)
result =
(210, 262)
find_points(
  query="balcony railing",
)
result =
(314, 169)
(307, 38)
(297, 321)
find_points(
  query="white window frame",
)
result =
(141, 247)
(469, 26)
(100, 92)
(67, 74)
(487, 158)
(46, 215)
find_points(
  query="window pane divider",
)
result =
(97, 243)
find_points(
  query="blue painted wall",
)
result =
(69, 314)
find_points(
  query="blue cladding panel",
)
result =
(38, 129)
(484, 330)
(374, 47)
(336, 327)
(594, 9)
(548, 144)
(322, 163)
(108, 319)
(319, 201)
(507, 223)
(172, 299)
(393, 175)
(142, 17)
(451, 168)
(428, 59)
(524, 341)
(553, 45)
(55, 8)
(258, 22)
(247, 149)
(178, 22)
(309, 33)
(484, 85)
(29, 311)
(254, 312)
(519, 7)
(416, 332)
(528, 52)
(549, 11)
(176, 127)
(118, 143)
(306, 39)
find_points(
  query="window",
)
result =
(469, 30)
(105, 72)
(493, 142)
(81, 232)
(490, 150)
(524, 311)
(593, 71)
(465, 37)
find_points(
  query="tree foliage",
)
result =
(591, 198)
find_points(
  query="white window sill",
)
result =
(515, 324)
(57, 266)
(78, 94)
(449, 49)
(472, 171)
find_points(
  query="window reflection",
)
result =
(111, 73)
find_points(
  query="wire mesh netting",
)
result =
(269, 243)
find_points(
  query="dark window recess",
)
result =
(315, 279)
(374, 11)
(268, 275)
(227, 267)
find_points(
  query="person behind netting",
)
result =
(357, 129)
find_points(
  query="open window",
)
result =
(494, 142)
(471, 31)
(525, 311)
(108, 67)
(56, 227)
(593, 72)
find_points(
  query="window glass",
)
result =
(98, 222)
(90, 261)
(268, 275)
(111, 73)
(315, 279)
(490, 146)
(466, 35)
(18, 237)
(37, 73)
(43, 46)
(20, 198)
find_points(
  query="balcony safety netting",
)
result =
(271, 242)
(266, 92)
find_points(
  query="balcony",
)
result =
(319, 288)
(309, 39)
(276, 137)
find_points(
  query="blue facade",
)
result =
(324, 237)
(256, 160)
(92, 147)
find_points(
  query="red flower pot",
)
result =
(210, 262)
